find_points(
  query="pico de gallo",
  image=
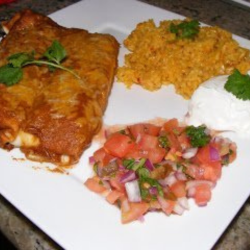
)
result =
(146, 167)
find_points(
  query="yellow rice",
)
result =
(157, 57)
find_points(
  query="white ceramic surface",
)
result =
(79, 219)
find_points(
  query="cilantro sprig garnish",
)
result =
(239, 85)
(185, 29)
(197, 136)
(12, 72)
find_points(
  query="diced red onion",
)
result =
(168, 181)
(202, 204)
(180, 176)
(214, 154)
(133, 191)
(113, 160)
(92, 160)
(183, 202)
(191, 192)
(153, 190)
(106, 134)
(121, 167)
(222, 140)
(128, 176)
(149, 165)
(141, 218)
(189, 153)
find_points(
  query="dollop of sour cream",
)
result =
(218, 109)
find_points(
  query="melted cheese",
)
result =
(24, 139)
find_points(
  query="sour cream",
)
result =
(218, 109)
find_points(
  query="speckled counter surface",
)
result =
(228, 15)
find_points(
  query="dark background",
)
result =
(5, 244)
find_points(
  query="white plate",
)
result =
(79, 219)
(243, 2)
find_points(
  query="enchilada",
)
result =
(51, 114)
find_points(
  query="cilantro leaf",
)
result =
(19, 59)
(10, 75)
(185, 29)
(55, 53)
(239, 85)
(12, 72)
(197, 136)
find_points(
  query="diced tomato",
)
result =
(135, 212)
(151, 129)
(148, 142)
(102, 157)
(136, 153)
(203, 155)
(156, 155)
(94, 185)
(170, 125)
(99, 154)
(211, 168)
(184, 141)
(179, 189)
(202, 194)
(116, 184)
(195, 171)
(144, 128)
(212, 172)
(204, 168)
(167, 206)
(173, 141)
(136, 130)
(118, 145)
(113, 196)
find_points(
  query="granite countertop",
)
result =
(224, 13)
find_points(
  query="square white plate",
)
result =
(79, 219)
